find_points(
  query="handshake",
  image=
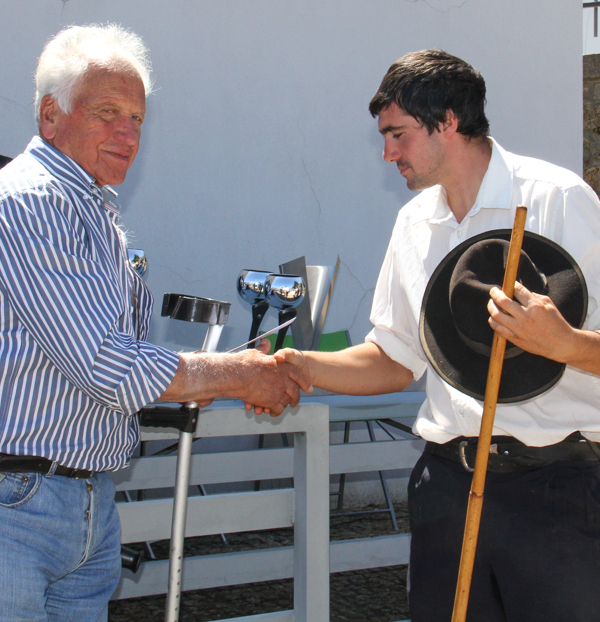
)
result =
(266, 383)
(293, 376)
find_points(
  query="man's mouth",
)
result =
(123, 157)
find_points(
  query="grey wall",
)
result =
(258, 146)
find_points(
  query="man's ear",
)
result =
(450, 125)
(49, 115)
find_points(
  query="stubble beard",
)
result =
(420, 182)
(431, 177)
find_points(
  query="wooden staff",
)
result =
(467, 558)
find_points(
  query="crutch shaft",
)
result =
(184, 454)
(178, 527)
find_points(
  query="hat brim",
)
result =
(523, 376)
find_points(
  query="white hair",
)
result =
(75, 50)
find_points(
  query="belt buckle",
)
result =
(463, 458)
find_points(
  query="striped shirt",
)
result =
(74, 368)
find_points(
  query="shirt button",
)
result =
(461, 411)
(86, 197)
(459, 233)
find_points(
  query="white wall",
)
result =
(258, 146)
(591, 44)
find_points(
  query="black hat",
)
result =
(454, 328)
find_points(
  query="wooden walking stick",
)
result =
(467, 558)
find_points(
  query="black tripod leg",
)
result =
(258, 313)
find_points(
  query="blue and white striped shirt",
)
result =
(74, 366)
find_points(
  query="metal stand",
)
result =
(389, 508)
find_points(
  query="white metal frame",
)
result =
(214, 514)
(305, 507)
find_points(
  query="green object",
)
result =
(330, 342)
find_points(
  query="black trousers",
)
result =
(538, 553)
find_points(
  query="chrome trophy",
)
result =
(284, 292)
(251, 286)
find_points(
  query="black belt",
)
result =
(508, 455)
(35, 464)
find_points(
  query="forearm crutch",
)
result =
(467, 559)
(215, 313)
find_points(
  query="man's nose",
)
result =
(128, 131)
(391, 153)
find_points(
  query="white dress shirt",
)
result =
(561, 207)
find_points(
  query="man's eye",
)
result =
(396, 136)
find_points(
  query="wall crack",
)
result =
(16, 103)
(310, 183)
(366, 292)
(438, 10)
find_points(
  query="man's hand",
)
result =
(532, 322)
(264, 346)
(290, 356)
(295, 357)
(270, 385)
(251, 376)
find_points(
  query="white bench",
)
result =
(306, 506)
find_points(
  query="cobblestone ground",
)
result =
(377, 595)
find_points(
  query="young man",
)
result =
(539, 547)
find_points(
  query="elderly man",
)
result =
(73, 322)
(539, 548)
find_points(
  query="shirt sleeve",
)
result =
(579, 233)
(64, 293)
(392, 315)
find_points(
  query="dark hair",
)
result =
(427, 84)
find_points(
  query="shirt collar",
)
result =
(495, 190)
(65, 168)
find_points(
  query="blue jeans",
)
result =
(59, 548)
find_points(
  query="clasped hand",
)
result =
(291, 362)
(531, 322)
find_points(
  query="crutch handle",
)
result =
(184, 418)
(131, 559)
